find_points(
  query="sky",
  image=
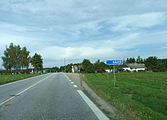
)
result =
(85, 29)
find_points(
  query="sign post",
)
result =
(114, 62)
(114, 76)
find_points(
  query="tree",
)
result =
(53, 69)
(15, 57)
(130, 60)
(25, 58)
(161, 65)
(139, 60)
(152, 63)
(87, 66)
(6, 61)
(16, 52)
(37, 62)
(68, 68)
(62, 68)
(99, 66)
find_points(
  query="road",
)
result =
(46, 97)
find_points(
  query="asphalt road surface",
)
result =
(46, 97)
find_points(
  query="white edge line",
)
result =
(100, 115)
(24, 90)
(67, 77)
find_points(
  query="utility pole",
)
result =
(1, 66)
(64, 65)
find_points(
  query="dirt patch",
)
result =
(107, 108)
(14, 95)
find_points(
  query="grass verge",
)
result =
(139, 96)
(11, 78)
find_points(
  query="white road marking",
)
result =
(75, 85)
(67, 77)
(93, 107)
(24, 90)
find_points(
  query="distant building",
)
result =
(134, 67)
(108, 70)
(76, 68)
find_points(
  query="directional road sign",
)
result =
(114, 62)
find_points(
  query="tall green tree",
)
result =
(130, 60)
(68, 68)
(37, 62)
(162, 65)
(6, 60)
(15, 57)
(25, 58)
(139, 60)
(100, 66)
(87, 66)
(152, 63)
(62, 68)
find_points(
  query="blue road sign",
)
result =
(114, 62)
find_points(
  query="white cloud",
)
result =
(132, 22)
(56, 52)
(124, 42)
(31, 43)
(62, 29)
(12, 27)
(105, 48)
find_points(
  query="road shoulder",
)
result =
(107, 108)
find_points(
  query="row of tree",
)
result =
(156, 65)
(135, 60)
(97, 67)
(17, 58)
(86, 66)
(152, 63)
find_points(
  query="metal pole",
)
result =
(114, 76)
(65, 64)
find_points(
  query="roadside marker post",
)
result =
(114, 63)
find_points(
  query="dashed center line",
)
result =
(75, 85)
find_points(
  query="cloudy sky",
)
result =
(78, 29)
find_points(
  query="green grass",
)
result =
(137, 95)
(11, 78)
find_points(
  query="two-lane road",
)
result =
(45, 97)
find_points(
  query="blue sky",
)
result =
(78, 29)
